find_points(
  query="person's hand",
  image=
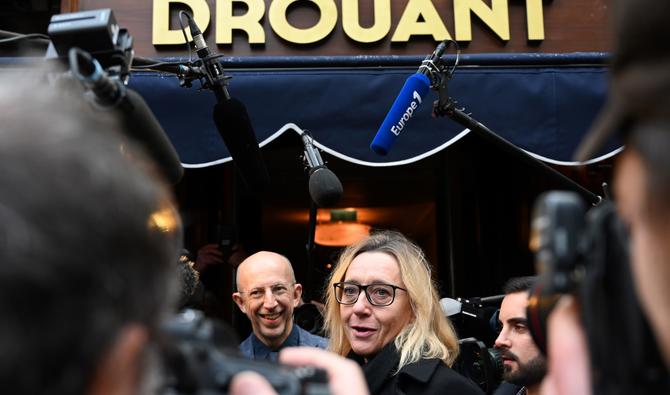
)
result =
(250, 383)
(567, 349)
(208, 255)
(345, 377)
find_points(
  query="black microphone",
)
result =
(324, 186)
(213, 68)
(231, 119)
(137, 119)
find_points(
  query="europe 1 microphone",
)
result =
(232, 119)
(409, 99)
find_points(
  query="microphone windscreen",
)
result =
(410, 97)
(232, 121)
(324, 187)
(450, 306)
(141, 124)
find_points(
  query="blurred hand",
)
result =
(208, 255)
(345, 377)
(568, 357)
(250, 383)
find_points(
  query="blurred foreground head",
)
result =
(642, 180)
(638, 112)
(89, 239)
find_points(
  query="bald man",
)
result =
(267, 294)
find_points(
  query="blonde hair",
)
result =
(429, 334)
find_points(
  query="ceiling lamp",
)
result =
(342, 230)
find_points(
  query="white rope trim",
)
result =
(299, 131)
(574, 163)
(261, 144)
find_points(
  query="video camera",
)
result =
(482, 365)
(200, 358)
(97, 33)
(585, 253)
(477, 319)
(99, 54)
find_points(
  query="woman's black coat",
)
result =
(424, 377)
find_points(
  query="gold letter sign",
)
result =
(161, 20)
(323, 27)
(495, 17)
(353, 28)
(418, 18)
(250, 22)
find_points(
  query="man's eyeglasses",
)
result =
(377, 294)
(278, 290)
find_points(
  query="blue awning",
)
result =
(542, 109)
(542, 103)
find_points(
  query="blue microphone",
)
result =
(408, 101)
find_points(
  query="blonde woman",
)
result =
(396, 331)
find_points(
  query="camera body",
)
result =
(96, 32)
(482, 365)
(476, 318)
(585, 253)
(558, 239)
(200, 358)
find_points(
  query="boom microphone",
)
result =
(231, 119)
(137, 119)
(409, 99)
(213, 67)
(324, 186)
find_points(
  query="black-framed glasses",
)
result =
(377, 294)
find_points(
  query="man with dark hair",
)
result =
(89, 241)
(524, 364)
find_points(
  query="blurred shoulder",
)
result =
(432, 376)
(247, 348)
(455, 383)
(308, 339)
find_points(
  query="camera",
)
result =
(584, 252)
(477, 317)
(96, 32)
(558, 239)
(482, 365)
(200, 357)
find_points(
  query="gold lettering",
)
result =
(409, 24)
(495, 17)
(323, 27)
(250, 22)
(352, 27)
(161, 33)
(535, 19)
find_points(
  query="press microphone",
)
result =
(450, 306)
(408, 101)
(213, 68)
(137, 119)
(231, 119)
(324, 186)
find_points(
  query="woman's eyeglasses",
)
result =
(377, 294)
